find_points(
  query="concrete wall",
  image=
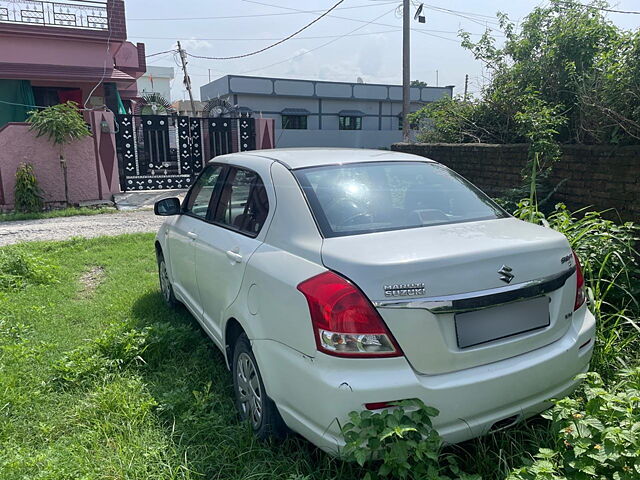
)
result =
(600, 176)
(91, 164)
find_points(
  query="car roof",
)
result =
(294, 158)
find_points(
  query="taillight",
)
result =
(345, 324)
(581, 294)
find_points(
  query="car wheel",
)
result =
(165, 284)
(251, 398)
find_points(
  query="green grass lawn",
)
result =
(63, 212)
(99, 380)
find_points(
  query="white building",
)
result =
(310, 113)
(156, 80)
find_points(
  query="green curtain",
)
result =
(15, 92)
(121, 108)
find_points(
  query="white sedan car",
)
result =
(336, 280)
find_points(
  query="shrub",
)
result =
(401, 441)
(611, 266)
(20, 268)
(598, 433)
(27, 192)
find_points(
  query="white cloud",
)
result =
(195, 44)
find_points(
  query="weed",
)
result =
(598, 433)
(27, 191)
(401, 441)
(20, 268)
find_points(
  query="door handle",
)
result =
(192, 235)
(234, 256)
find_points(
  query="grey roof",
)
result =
(295, 111)
(290, 87)
(351, 113)
(310, 157)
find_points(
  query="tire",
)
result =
(251, 399)
(165, 284)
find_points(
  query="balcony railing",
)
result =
(83, 14)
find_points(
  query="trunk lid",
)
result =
(449, 260)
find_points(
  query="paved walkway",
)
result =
(87, 226)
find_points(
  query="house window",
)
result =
(294, 122)
(350, 123)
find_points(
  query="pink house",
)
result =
(51, 52)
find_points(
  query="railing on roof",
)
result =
(83, 14)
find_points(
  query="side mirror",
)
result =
(167, 206)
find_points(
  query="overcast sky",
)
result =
(361, 38)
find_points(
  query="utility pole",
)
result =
(406, 73)
(187, 80)
(437, 78)
(466, 86)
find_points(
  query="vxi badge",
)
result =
(404, 290)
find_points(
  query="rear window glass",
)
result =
(378, 196)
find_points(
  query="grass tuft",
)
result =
(62, 212)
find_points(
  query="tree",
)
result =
(62, 124)
(568, 61)
(418, 83)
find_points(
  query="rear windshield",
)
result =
(378, 196)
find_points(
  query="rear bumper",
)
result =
(315, 395)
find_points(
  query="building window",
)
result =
(350, 123)
(294, 122)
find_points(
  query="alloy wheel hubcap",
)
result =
(249, 391)
(165, 285)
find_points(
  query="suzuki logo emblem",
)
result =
(505, 274)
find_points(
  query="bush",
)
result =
(598, 433)
(19, 268)
(611, 266)
(401, 441)
(27, 192)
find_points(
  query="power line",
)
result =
(354, 19)
(371, 22)
(228, 17)
(160, 53)
(314, 37)
(236, 39)
(273, 44)
(592, 7)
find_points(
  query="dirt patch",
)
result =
(90, 281)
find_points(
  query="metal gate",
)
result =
(157, 152)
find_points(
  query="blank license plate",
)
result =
(481, 326)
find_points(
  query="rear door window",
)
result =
(243, 204)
